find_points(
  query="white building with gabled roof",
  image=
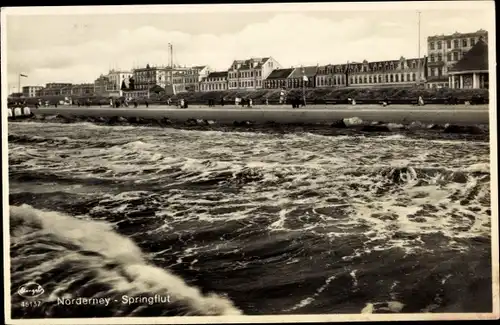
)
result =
(250, 73)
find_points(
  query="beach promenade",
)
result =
(439, 114)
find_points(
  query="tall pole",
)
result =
(171, 63)
(418, 71)
(347, 74)
(304, 85)
(19, 83)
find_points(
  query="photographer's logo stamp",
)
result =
(30, 290)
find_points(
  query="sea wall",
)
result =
(429, 115)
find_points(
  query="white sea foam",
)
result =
(99, 238)
(349, 178)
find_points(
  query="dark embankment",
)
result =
(313, 96)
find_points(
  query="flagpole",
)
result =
(304, 85)
(418, 71)
(19, 83)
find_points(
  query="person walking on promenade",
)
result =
(222, 101)
(267, 102)
(147, 104)
(420, 101)
(135, 104)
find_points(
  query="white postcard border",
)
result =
(142, 9)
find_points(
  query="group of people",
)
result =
(248, 102)
(211, 102)
(86, 103)
(124, 102)
(183, 103)
(298, 101)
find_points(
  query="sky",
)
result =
(75, 47)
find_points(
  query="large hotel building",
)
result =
(444, 51)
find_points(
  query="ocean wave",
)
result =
(76, 257)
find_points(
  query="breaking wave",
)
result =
(76, 257)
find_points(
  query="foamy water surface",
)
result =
(235, 222)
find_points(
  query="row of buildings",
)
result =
(455, 61)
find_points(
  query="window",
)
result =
(439, 45)
(432, 46)
(440, 57)
(464, 42)
(396, 78)
(431, 57)
(386, 78)
(448, 56)
(391, 78)
(455, 56)
(365, 80)
(472, 42)
(402, 78)
(448, 44)
(455, 43)
(414, 77)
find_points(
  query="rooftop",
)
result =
(280, 74)
(307, 71)
(457, 34)
(217, 74)
(247, 64)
